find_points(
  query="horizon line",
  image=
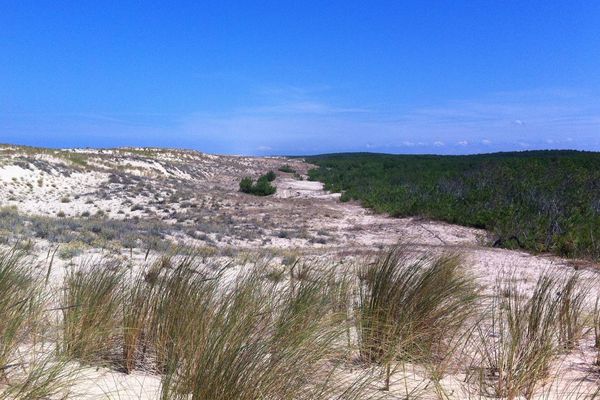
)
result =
(62, 148)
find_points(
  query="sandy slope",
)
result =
(301, 217)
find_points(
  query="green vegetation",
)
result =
(250, 338)
(286, 168)
(545, 201)
(270, 176)
(22, 301)
(91, 301)
(223, 332)
(526, 332)
(262, 187)
(413, 309)
(17, 300)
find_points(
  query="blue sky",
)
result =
(301, 77)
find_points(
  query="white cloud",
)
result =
(463, 142)
(487, 142)
(301, 107)
(438, 143)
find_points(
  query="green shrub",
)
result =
(270, 176)
(262, 187)
(286, 168)
(72, 249)
(246, 185)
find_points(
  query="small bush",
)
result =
(286, 168)
(246, 185)
(270, 176)
(262, 187)
(70, 250)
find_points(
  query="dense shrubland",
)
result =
(541, 201)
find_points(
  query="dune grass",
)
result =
(19, 304)
(251, 339)
(91, 305)
(520, 340)
(410, 309)
(211, 334)
(215, 331)
(29, 369)
(138, 301)
(572, 316)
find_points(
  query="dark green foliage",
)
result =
(246, 185)
(540, 201)
(270, 176)
(287, 168)
(262, 187)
